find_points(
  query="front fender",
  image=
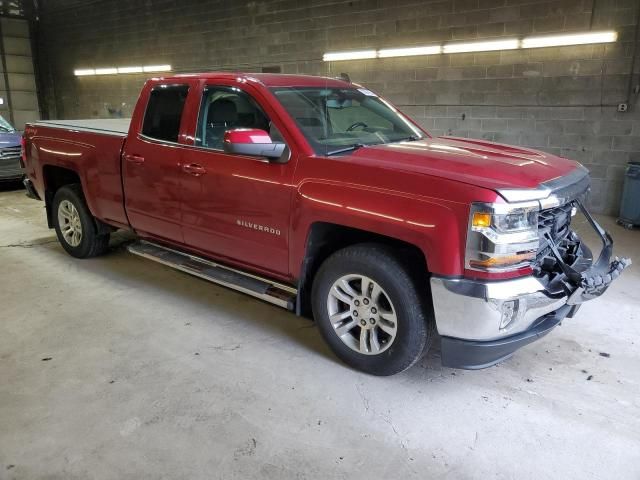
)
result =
(433, 225)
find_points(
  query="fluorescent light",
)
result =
(84, 71)
(106, 71)
(407, 52)
(157, 68)
(116, 70)
(570, 39)
(488, 46)
(356, 55)
(130, 70)
(481, 46)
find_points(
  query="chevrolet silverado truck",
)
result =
(319, 196)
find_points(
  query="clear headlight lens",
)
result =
(502, 237)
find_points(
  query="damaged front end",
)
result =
(565, 264)
(481, 322)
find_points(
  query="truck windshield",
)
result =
(5, 127)
(339, 120)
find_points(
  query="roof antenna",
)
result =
(345, 77)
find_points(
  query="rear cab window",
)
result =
(164, 112)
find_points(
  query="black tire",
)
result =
(415, 326)
(92, 243)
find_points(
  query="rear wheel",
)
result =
(369, 310)
(76, 228)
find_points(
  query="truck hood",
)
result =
(10, 139)
(477, 162)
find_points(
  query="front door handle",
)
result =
(194, 169)
(132, 158)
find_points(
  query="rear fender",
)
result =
(64, 163)
(95, 160)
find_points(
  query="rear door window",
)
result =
(164, 112)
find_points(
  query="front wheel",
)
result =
(75, 226)
(369, 311)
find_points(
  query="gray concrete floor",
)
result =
(120, 368)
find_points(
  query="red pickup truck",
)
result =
(321, 197)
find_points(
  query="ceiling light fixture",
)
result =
(488, 46)
(157, 68)
(106, 71)
(84, 71)
(121, 70)
(583, 38)
(355, 55)
(570, 39)
(409, 51)
(130, 70)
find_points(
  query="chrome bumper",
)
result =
(479, 310)
(483, 323)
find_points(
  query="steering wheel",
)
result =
(356, 125)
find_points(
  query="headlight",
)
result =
(502, 237)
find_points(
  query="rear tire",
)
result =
(75, 227)
(369, 311)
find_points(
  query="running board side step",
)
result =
(262, 288)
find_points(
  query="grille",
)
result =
(10, 162)
(10, 152)
(557, 222)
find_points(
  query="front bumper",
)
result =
(483, 322)
(474, 355)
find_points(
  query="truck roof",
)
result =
(269, 79)
(120, 127)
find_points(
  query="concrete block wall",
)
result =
(561, 100)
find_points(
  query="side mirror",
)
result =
(253, 142)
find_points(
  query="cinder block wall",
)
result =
(561, 100)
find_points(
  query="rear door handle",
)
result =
(132, 158)
(194, 169)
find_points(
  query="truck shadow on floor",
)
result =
(120, 268)
(126, 270)
(10, 185)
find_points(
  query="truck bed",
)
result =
(90, 148)
(107, 126)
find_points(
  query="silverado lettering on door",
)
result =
(255, 226)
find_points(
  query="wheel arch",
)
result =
(54, 178)
(325, 238)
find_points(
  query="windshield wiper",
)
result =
(356, 146)
(411, 138)
(350, 148)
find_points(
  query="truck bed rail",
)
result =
(105, 126)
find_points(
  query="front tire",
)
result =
(75, 227)
(369, 311)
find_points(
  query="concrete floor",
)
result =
(118, 368)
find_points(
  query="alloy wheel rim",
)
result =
(70, 224)
(362, 314)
